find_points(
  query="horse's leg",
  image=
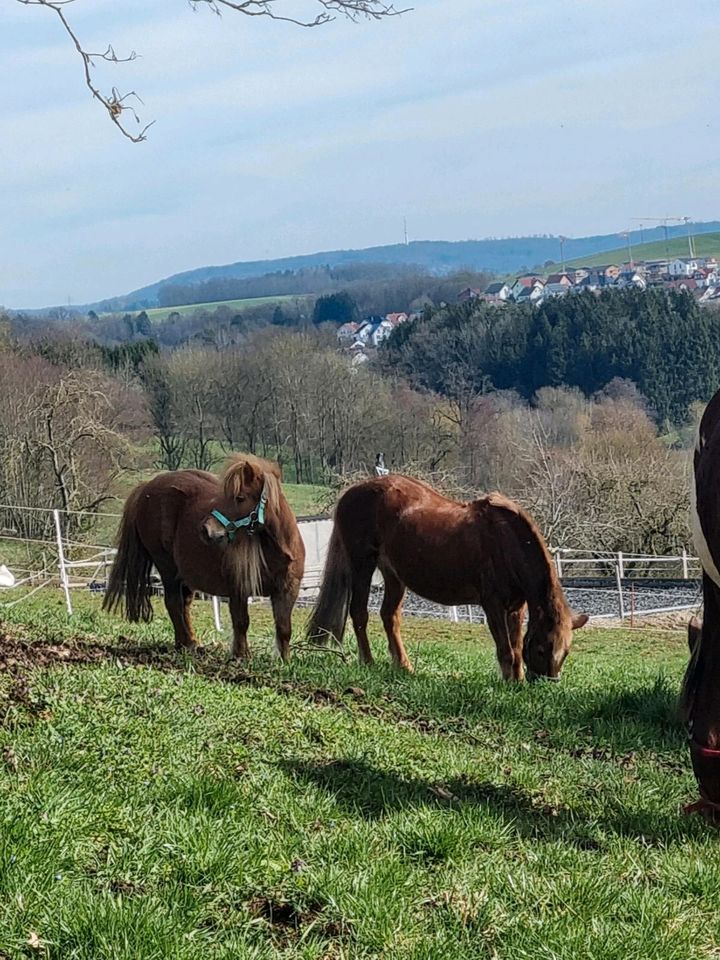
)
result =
(361, 580)
(514, 620)
(511, 666)
(391, 613)
(188, 597)
(177, 604)
(282, 606)
(240, 621)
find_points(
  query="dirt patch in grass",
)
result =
(19, 655)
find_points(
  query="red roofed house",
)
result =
(346, 333)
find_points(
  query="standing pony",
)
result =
(487, 552)
(232, 537)
(700, 699)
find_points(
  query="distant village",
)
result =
(700, 276)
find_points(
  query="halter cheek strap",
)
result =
(251, 523)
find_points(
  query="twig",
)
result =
(116, 104)
(308, 647)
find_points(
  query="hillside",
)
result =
(157, 314)
(437, 256)
(706, 245)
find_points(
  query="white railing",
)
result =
(74, 564)
(577, 563)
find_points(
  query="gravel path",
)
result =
(598, 598)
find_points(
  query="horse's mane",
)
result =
(242, 469)
(555, 598)
(246, 562)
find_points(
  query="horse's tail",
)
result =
(330, 612)
(129, 583)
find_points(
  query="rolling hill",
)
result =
(436, 256)
(706, 245)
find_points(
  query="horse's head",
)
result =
(546, 644)
(248, 491)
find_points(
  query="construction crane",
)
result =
(665, 221)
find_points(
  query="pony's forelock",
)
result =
(235, 479)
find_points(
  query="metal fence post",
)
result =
(686, 575)
(621, 565)
(216, 614)
(558, 564)
(61, 561)
(454, 614)
(621, 601)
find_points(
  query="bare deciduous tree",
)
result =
(64, 438)
(120, 107)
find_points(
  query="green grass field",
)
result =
(706, 245)
(155, 806)
(157, 314)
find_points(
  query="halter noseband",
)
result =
(709, 752)
(251, 523)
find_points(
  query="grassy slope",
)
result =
(706, 245)
(302, 497)
(156, 314)
(193, 809)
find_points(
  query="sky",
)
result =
(470, 118)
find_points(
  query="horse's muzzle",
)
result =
(212, 532)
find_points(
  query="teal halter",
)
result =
(252, 522)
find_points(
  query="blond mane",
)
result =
(245, 475)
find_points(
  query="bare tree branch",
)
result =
(116, 104)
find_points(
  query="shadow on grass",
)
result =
(363, 791)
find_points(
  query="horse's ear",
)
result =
(579, 620)
(249, 473)
(694, 632)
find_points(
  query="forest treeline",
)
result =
(583, 409)
(663, 342)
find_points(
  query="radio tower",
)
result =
(407, 242)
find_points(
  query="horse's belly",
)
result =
(448, 587)
(201, 569)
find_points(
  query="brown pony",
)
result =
(486, 552)
(232, 537)
(700, 699)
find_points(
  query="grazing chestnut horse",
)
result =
(700, 700)
(487, 552)
(232, 537)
